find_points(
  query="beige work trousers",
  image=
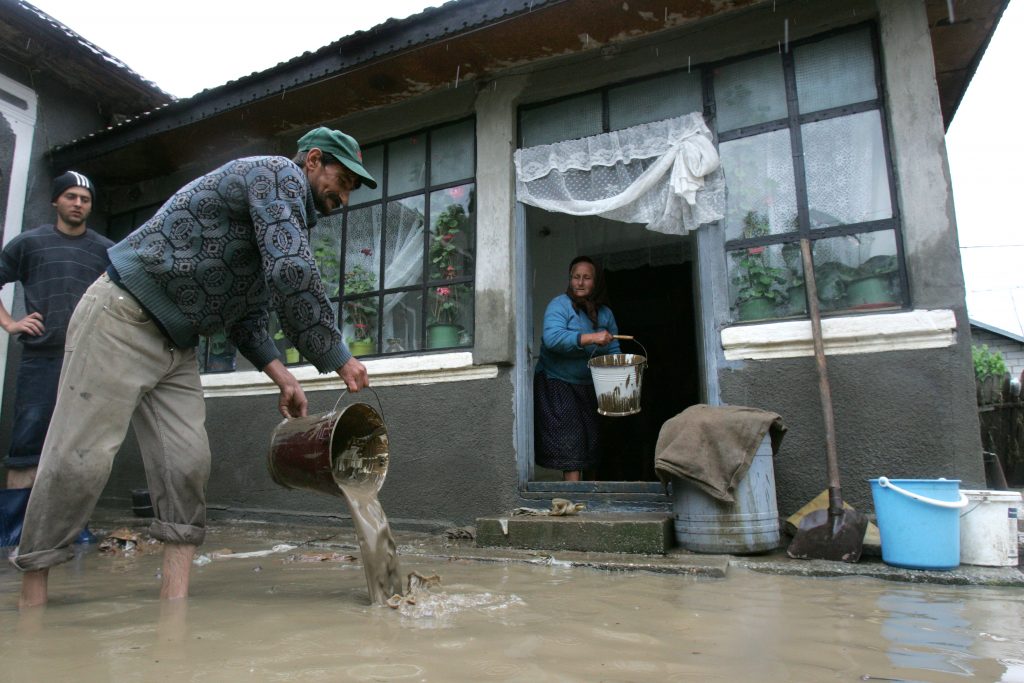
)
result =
(119, 369)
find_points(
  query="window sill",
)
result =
(384, 372)
(906, 330)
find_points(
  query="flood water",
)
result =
(304, 614)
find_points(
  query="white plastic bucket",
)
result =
(988, 528)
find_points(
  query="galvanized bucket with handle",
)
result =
(617, 379)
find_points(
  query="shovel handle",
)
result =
(835, 499)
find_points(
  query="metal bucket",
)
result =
(617, 378)
(748, 526)
(323, 452)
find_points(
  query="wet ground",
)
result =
(303, 614)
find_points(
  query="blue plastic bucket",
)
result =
(919, 521)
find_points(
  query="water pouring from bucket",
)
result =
(344, 452)
(617, 380)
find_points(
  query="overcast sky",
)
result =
(186, 46)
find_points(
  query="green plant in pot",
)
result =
(446, 262)
(443, 329)
(361, 313)
(290, 353)
(831, 278)
(758, 283)
(871, 286)
(325, 253)
(796, 290)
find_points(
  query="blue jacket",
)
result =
(561, 356)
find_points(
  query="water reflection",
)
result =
(311, 621)
(925, 633)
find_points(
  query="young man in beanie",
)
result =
(217, 256)
(55, 265)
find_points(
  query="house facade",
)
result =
(828, 118)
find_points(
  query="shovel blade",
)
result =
(826, 536)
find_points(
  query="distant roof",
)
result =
(35, 40)
(996, 330)
(467, 39)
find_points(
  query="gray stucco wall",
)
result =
(899, 414)
(451, 457)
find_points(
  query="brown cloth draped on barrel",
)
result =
(713, 446)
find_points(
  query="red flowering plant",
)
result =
(360, 313)
(754, 276)
(446, 260)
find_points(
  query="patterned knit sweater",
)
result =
(225, 249)
(54, 270)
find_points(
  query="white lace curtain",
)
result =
(664, 174)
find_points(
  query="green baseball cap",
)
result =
(342, 147)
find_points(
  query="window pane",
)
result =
(451, 153)
(449, 316)
(749, 92)
(654, 99)
(576, 117)
(761, 197)
(407, 164)
(452, 235)
(834, 72)
(762, 281)
(403, 321)
(359, 324)
(325, 242)
(362, 257)
(847, 180)
(404, 240)
(373, 161)
(289, 354)
(857, 272)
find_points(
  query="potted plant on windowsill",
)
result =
(758, 285)
(446, 262)
(291, 354)
(758, 282)
(871, 286)
(361, 314)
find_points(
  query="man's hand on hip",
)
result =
(31, 324)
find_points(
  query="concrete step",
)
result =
(644, 533)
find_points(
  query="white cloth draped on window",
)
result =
(665, 174)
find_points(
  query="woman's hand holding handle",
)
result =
(601, 338)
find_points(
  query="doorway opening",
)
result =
(651, 291)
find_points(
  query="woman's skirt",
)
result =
(565, 424)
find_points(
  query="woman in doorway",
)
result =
(577, 325)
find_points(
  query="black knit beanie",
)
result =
(71, 179)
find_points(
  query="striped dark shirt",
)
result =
(54, 270)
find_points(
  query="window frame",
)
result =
(793, 124)
(427, 283)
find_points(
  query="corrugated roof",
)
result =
(33, 39)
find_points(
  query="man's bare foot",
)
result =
(33, 588)
(176, 571)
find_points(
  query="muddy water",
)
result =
(377, 545)
(280, 619)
